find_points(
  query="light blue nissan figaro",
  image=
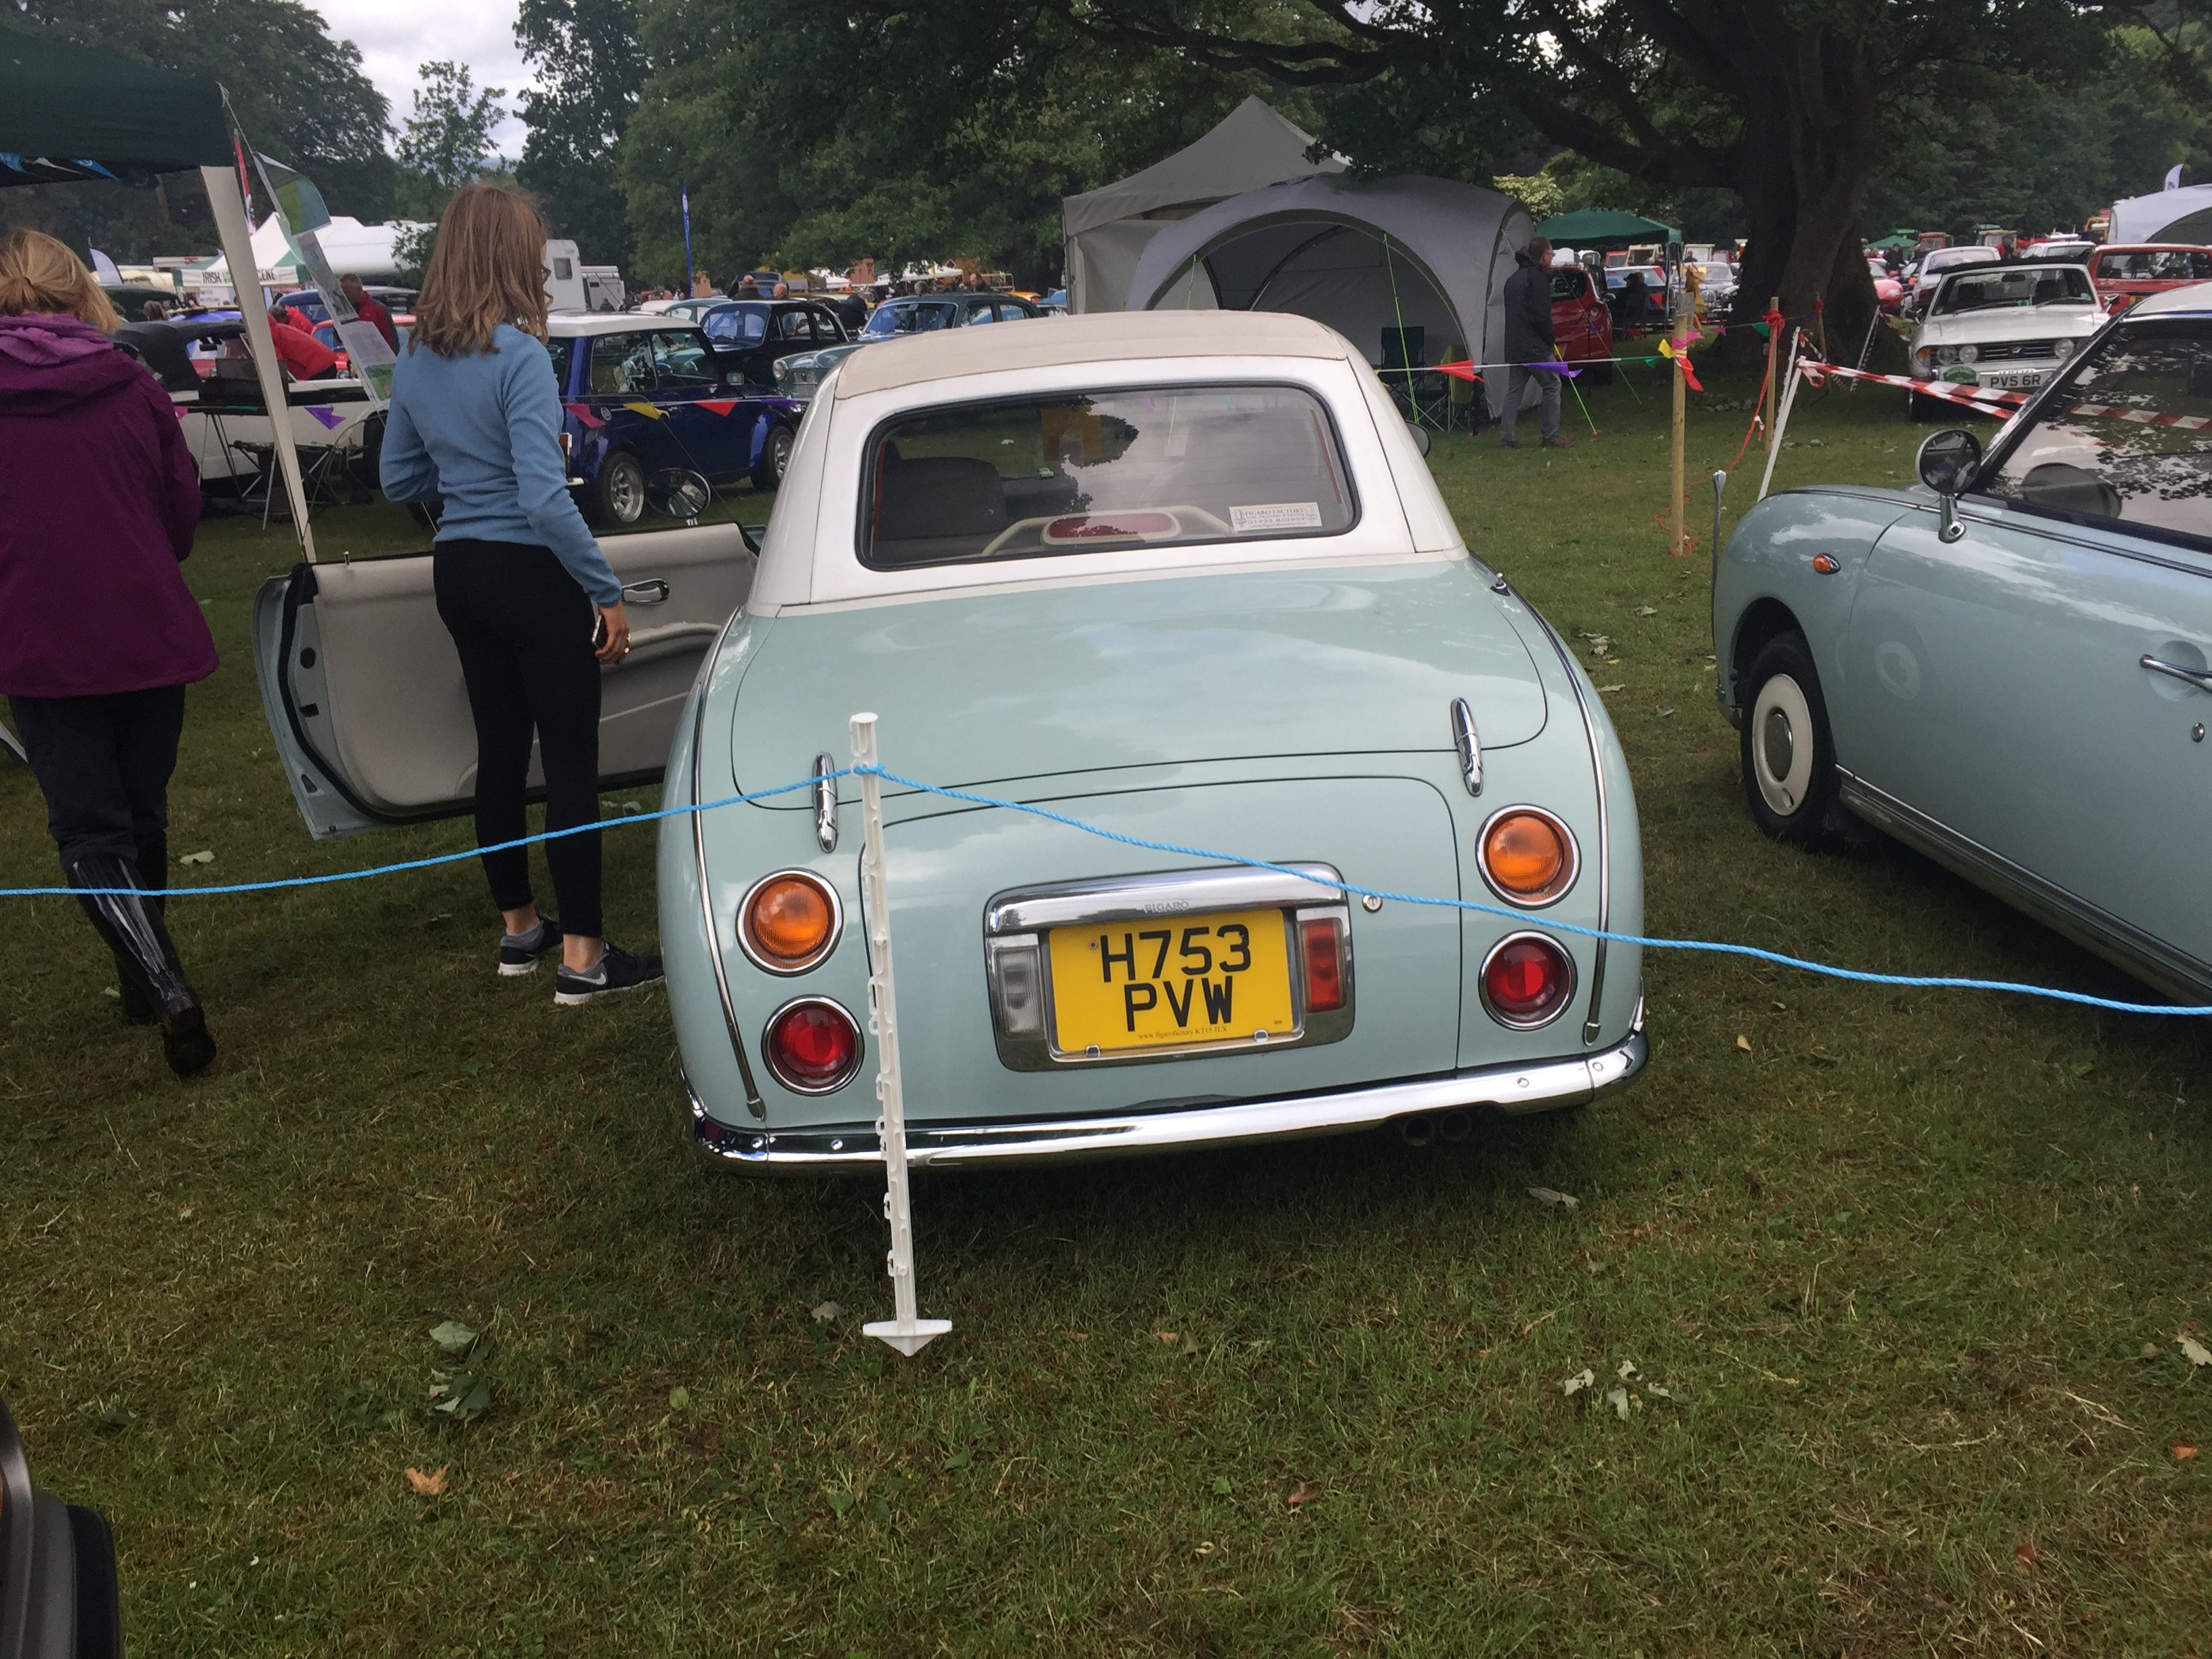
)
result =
(1186, 577)
(2010, 669)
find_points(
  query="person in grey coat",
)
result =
(1529, 339)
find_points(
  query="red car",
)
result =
(2123, 273)
(1581, 322)
(1888, 292)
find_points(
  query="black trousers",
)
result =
(523, 628)
(103, 764)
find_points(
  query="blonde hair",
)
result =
(40, 276)
(487, 268)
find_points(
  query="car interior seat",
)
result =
(936, 507)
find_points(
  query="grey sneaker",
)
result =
(615, 970)
(520, 953)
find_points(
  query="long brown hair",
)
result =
(488, 268)
(40, 276)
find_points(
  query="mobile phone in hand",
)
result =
(598, 630)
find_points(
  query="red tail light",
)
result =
(1322, 946)
(813, 1046)
(1527, 979)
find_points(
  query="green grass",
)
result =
(1914, 1264)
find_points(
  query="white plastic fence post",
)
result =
(1781, 416)
(908, 1335)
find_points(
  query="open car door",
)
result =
(363, 690)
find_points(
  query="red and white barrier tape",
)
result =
(1949, 391)
(2141, 417)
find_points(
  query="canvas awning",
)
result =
(69, 114)
(1604, 228)
(2181, 215)
(1368, 257)
(1105, 231)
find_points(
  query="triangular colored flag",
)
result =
(1459, 371)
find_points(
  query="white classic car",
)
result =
(2009, 326)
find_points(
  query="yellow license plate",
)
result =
(1173, 983)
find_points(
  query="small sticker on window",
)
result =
(1275, 515)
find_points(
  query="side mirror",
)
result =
(1946, 463)
(678, 494)
(1420, 435)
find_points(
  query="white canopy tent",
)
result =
(1105, 231)
(1363, 256)
(2182, 214)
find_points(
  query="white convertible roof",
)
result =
(1101, 338)
(568, 325)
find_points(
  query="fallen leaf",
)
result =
(2183, 1451)
(205, 855)
(1628, 1373)
(1575, 1384)
(1204, 1547)
(110, 991)
(2026, 1553)
(465, 1397)
(2150, 1350)
(1612, 688)
(453, 1337)
(1655, 1391)
(1302, 1494)
(1618, 1399)
(1546, 1195)
(1169, 1337)
(678, 1398)
(840, 1501)
(629, 806)
(1661, 714)
(428, 1485)
(2194, 1351)
(824, 1312)
(1647, 609)
(1221, 1486)
(1743, 1043)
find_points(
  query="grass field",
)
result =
(1912, 1267)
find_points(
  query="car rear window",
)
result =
(920, 318)
(1566, 285)
(563, 354)
(1102, 471)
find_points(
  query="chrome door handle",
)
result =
(654, 592)
(1469, 742)
(2197, 676)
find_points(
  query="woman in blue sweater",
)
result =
(531, 603)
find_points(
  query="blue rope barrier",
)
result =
(1717, 947)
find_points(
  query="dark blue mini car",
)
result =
(644, 394)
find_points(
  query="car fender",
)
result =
(1794, 560)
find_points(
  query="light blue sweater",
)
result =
(483, 431)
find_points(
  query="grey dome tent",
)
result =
(1363, 256)
(1106, 230)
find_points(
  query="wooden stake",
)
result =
(1686, 303)
(1773, 345)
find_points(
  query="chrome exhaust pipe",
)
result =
(1417, 1131)
(1454, 1127)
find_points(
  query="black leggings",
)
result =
(523, 628)
(103, 764)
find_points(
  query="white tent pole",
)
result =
(908, 1335)
(1782, 415)
(229, 208)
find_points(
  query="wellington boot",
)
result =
(128, 918)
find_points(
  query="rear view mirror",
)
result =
(1420, 435)
(1946, 463)
(678, 494)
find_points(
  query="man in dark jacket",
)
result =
(1529, 339)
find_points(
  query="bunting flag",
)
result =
(651, 411)
(719, 405)
(1682, 361)
(583, 412)
(1459, 371)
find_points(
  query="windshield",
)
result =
(2013, 288)
(2129, 439)
(1567, 285)
(920, 318)
(1073, 474)
(2155, 264)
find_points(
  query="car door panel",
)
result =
(1995, 686)
(364, 695)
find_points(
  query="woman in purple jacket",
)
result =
(99, 499)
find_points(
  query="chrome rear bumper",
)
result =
(1507, 1090)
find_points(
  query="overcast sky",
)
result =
(397, 36)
